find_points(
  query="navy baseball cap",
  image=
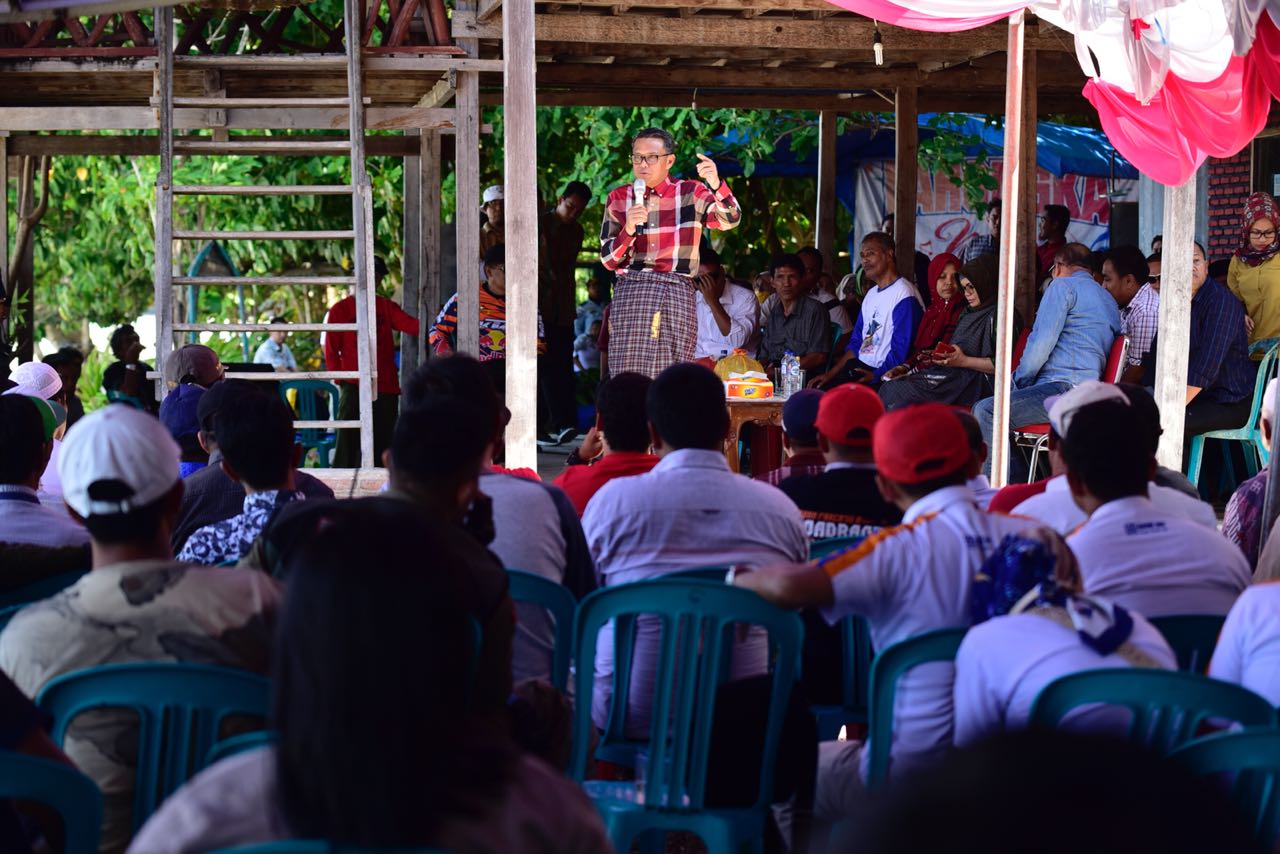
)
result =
(178, 410)
(799, 414)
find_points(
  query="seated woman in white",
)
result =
(1248, 651)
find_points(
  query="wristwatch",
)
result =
(734, 572)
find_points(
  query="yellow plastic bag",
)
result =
(737, 362)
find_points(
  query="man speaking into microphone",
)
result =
(650, 236)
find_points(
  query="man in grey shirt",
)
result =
(795, 322)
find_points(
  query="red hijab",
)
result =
(940, 318)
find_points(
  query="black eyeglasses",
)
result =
(647, 159)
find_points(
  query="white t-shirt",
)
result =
(1003, 664)
(1057, 509)
(742, 307)
(838, 313)
(1248, 651)
(912, 579)
(876, 327)
(1158, 564)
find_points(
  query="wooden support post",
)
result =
(1175, 320)
(906, 150)
(1026, 288)
(164, 196)
(412, 261)
(362, 232)
(466, 218)
(1011, 192)
(4, 236)
(521, 180)
(429, 302)
(825, 221)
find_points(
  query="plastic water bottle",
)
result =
(790, 373)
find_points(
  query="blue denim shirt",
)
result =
(1076, 325)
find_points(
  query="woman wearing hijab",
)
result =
(963, 374)
(1254, 274)
(940, 318)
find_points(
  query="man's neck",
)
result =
(110, 555)
(890, 276)
(788, 305)
(428, 500)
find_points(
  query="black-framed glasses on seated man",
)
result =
(647, 159)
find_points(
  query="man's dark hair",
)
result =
(277, 319)
(1145, 405)
(710, 257)
(441, 444)
(255, 435)
(786, 260)
(994, 204)
(916, 491)
(1153, 258)
(579, 189)
(1058, 214)
(379, 269)
(457, 376)
(1076, 255)
(496, 256)
(21, 439)
(1159, 238)
(686, 406)
(64, 357)
(972, 431)
(668, 141)
(883, 240)
(810, 250)
(121, 332)
(1108, 446)
(137, 525)
(621, 404)
(218, 396)
(1128, 260)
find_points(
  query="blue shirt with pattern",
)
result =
(231, 539)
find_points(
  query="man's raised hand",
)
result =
(708, 172)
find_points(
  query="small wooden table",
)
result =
(742, 411)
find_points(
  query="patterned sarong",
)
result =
(653, 322)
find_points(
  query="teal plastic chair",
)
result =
(1256, 452)
(1193, 638)
(115, 396)
(855, 685)
(42, 589)
(308, 408)
(180, 709)
(238, 744)
(1168, 706)
(698, 622)
(886, 670)
(1251, 760)
(703, 573)
(315, 846)
(556, 598)
(823, 548)
(64, 789)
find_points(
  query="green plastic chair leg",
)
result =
(1193, 465)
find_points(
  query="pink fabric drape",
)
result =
(922, 15)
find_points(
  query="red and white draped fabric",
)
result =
(1173, 81)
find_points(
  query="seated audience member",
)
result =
(989, 243)
(818, 286)
(69, 363)
(1125, 275)
(843, 500)
(909, 580)
(535, 526)
(1058, 508)
(1075, 328)
(962, 375)
(1145, 405)
(1153, 271)
(1131, 552)
(799, 438)
(274, 351)
(120, 474)
(40, 381)
(796, 323)
(1039, 628)
(126, 378)
(977, 483)
(210, 495)
(939, 319)
(586, 350)
(689, 511)
(726, 313)
(618, 444)
(1053, 234)
(430, 764)
(1254, 273)
(255, 433)
(1242, 521)
(593, 309)
(1248, 650)
(178, 415)
(919, 265)
(887, 321)
(195, 364)
(26, 437)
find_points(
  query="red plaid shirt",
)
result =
(670, 241)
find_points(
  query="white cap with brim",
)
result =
(1062, 407)
(1269, 402)
(35, 379)
(122, 444)
(492, 194)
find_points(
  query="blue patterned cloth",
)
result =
(231, 539)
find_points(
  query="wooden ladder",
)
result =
(360, 235)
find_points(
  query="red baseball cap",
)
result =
(920, 443)
(847, 414)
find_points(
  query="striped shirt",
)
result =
(678, 212)
(1140, 320)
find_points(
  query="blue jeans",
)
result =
(1026, 406)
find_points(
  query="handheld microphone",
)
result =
(638, 190)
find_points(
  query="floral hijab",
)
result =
(1259, 206)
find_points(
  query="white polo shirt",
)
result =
(742, 307)
(1004, 663)
(1057, 509)
(1158, 564)
(912, 579)
(1248, 651)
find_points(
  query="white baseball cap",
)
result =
(1269, 402)
(117, 443)
(1063, 406)
(493, 194)
(35, 379)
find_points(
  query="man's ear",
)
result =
(655, 438)
(888, 489)
(204, 442)
(823, 444)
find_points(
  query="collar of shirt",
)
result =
(979, 483)
(260, 501)
(17, 492)
(666, 188)
(131, 567)
(841, 464)
(938, 501)
(1057, 483)
(693, 458)
(1122, 508)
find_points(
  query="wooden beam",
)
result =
(144, 118)
(302, 62)
(411, 258)
(429, 302)
(906, 151)
(144, 146)
(638, 98)
(1175, 320)
(488, 8)
(825, 220)
(733, 77)
(439, 94)
(755, 7)
(467, 193)
(520, 156)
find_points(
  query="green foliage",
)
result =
(947, 153)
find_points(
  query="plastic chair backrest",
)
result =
(114, 396)
(307, 405)
(1020, 347)
(71, 794)
(1266, 370)
(698, 620)
(1193, 638)
(1116, 360)
(180, 709)
(556, 598)
(1168, 706)
(317, 846)
(42, 589)
(705, 573)
(1252, 757)
(886, 670)
(237, 744)
(831, 545)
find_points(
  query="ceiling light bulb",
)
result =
(877, 47)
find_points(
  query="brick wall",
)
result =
(1230, 183)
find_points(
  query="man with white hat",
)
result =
(1055, 506)
(120, 476)
(494, 230)
(1242, 522)
(27, 425)
(41, 381)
